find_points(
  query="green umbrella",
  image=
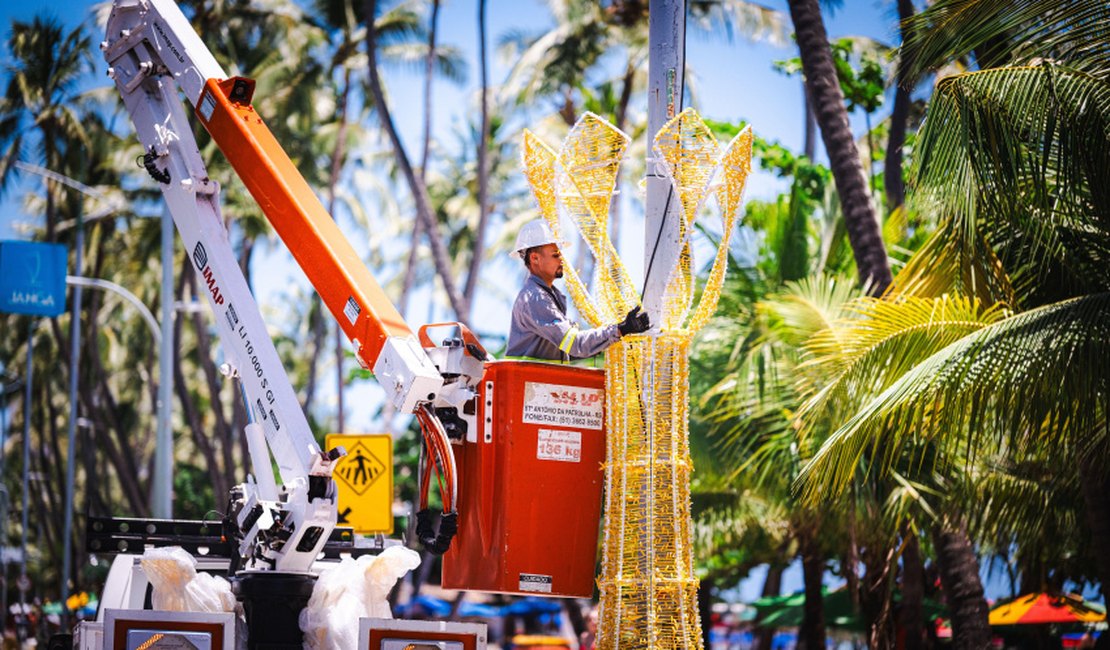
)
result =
(837, 605)
(768, 604)
(789, 610)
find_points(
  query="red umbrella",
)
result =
(1047, 608)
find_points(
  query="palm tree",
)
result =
(398, 31)
(1014, 156)
(425, 157)
(742, 430)
(44, 119)
(483, 164)
(757, 443)
(38, 106)
(899, 116)
(416, 187)
(848, 357)
(746, 411)
(832, 117)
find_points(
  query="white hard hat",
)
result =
(532, 234)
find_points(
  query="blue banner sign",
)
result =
(32, 278)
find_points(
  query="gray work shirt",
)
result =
(540, 328)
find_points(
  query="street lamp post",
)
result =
(666, 81)
(162, 497)
(71, 447)
(24, 582)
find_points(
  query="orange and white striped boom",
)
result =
(153, 53)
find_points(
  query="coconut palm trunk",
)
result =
(416, 186)
(1096, 497)
(772, 586)
(899, 115)
(483, 166)
(812, 634)
(959, 577)
(418, 230)
(832, 117)
(913, 593)
(809, 126)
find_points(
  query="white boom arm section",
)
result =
(152, 51)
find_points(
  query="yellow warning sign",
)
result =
(365, 481)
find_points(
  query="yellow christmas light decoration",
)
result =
(647, 583)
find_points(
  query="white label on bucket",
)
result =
(566, 446)
(534, 582)
(563, 406)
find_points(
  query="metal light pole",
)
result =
(666, 61)
(162, 497)
(107, 285)
(24, 581)
(71, 429)
(8, 389)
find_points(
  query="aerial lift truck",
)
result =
(517, 445)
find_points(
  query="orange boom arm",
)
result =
(354, 298)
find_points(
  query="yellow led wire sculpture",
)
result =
(647, 583)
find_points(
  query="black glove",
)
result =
(635, 322)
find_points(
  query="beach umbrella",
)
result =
(768, 604)
(1036, 608)
(532, 605)
(788, 611)
(479, 610)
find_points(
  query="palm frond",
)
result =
(788, 234)
(448, 62)
(861, 356)
(755, 442)
(530, 61)
(1018, 157)
(727, 520)
(1044, 373)
(950, 264)
(749, 20)
(806, 307)
(1003, 32)
(1026, 499)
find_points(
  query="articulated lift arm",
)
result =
(153, 52)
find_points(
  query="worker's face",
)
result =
(547, 263)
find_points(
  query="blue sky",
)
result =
(734, 81)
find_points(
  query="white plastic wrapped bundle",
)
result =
(178, 587)
(351, 590)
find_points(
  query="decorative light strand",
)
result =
(648, 585)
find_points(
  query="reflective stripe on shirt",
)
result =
(568, 340)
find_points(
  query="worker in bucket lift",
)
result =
(540, 329)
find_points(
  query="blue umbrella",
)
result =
(433, 606)
(532, 605)
(479, 610)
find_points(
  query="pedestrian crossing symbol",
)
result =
(359, 469)
(365, 481)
